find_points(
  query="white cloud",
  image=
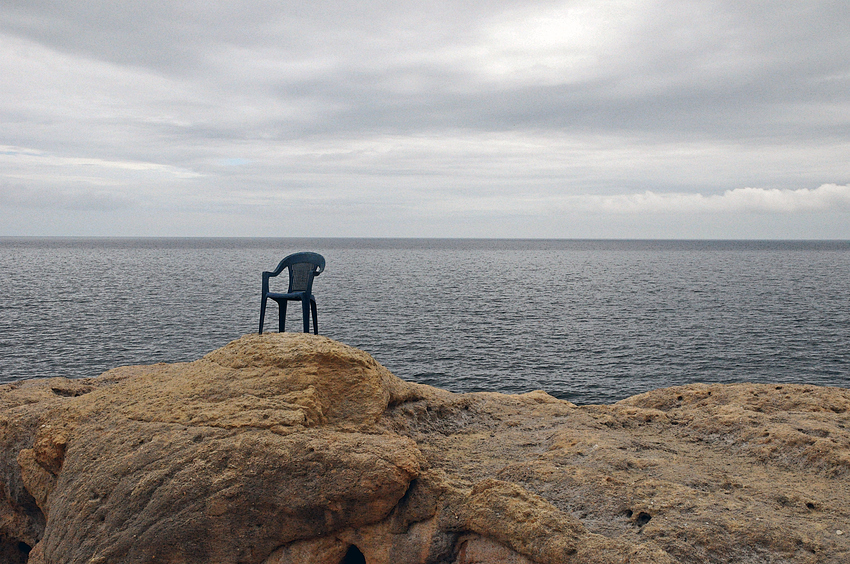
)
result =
(544, 44)
(11, 157)
(75, 180)
(827, 197)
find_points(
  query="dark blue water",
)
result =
(588, 321)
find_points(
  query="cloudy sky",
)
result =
(460, 118)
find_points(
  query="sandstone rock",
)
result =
(292, 448)
(523, 521)
(475, 549)
(203, 462)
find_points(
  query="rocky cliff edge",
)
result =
(292, 448)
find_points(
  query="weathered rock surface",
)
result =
(292, 448)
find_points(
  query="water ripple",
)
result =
(588, 321)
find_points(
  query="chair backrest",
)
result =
(301, 276)
(303, 267)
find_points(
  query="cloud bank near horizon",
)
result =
(496, 118)
(827, 197)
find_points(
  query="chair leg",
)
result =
(281, 324)
(305, 313)
(315, 319)
(262, 313)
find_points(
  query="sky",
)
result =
(679, 119)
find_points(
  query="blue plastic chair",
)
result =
(303, 267)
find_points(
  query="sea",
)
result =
(589, 321)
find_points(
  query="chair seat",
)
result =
(292, 296)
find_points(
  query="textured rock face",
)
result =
(292, 448)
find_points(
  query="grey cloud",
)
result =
(16, 196)
(360, 99)
(738, 86)
(712, 68)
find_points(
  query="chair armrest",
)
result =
(266, 276)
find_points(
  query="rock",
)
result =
(204, 462)
(292, 448)
(475, 549)
(523, 521)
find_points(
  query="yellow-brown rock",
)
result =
(292, 448)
